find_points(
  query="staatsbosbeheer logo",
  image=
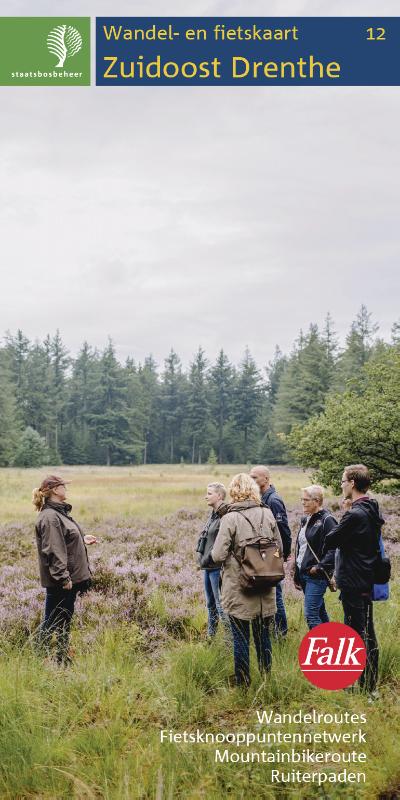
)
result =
(64, 41)
(332, 656)
(45, 51)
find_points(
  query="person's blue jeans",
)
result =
(314, 589)
(241, 646)
(280, 623)
(213, 601)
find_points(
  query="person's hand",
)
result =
(346, 504)
(68, 585)
(89, 539)
(314, 571)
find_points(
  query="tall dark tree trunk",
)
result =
(220, 436)
(193, 448)
(145, 450)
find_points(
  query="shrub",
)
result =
(32, 450)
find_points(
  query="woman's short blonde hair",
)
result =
(243, 487)
(316, 492)
(219, 488)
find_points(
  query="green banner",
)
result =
(44, 51)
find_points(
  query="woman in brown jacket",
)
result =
(63, 562)
(243, 608)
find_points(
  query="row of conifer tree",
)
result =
(91, 409)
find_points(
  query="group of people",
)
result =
(325, 551)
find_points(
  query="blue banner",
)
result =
(250, 51)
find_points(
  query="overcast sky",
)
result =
(179, 216)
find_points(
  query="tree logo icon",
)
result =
(64, 41)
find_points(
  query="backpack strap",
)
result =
(314, 553)
(250, 522)
(247, 520)
(327, 516)
(253, 529)
(323, 529)
(328, 578)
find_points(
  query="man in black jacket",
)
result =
(357, 540)
(271, 499)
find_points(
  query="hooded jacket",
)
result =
(61, 547)
(316, 531)
(357, 539)
(232, 535)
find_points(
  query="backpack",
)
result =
(382, 567)
(260, 561)
(380, 589)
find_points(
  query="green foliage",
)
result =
(222, 383)
(78, 444)
(198, 410)
(305, 381)
(396, 332)
(212, 457)
(32, 450)
(9, 421)
(92, 409)
(110, 419)
(271, 448)
(150, 409)
(359, 346)
(39, 376)
(172, 405)
(357, 426)
(248, 402)
(94, 729)
(16, 352)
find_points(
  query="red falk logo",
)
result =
(332, 656)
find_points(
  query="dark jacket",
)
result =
(357, 539)
(61, 547)
(318, 527)
(208, 537)
(274, 502)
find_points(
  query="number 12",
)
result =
(376, 34)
